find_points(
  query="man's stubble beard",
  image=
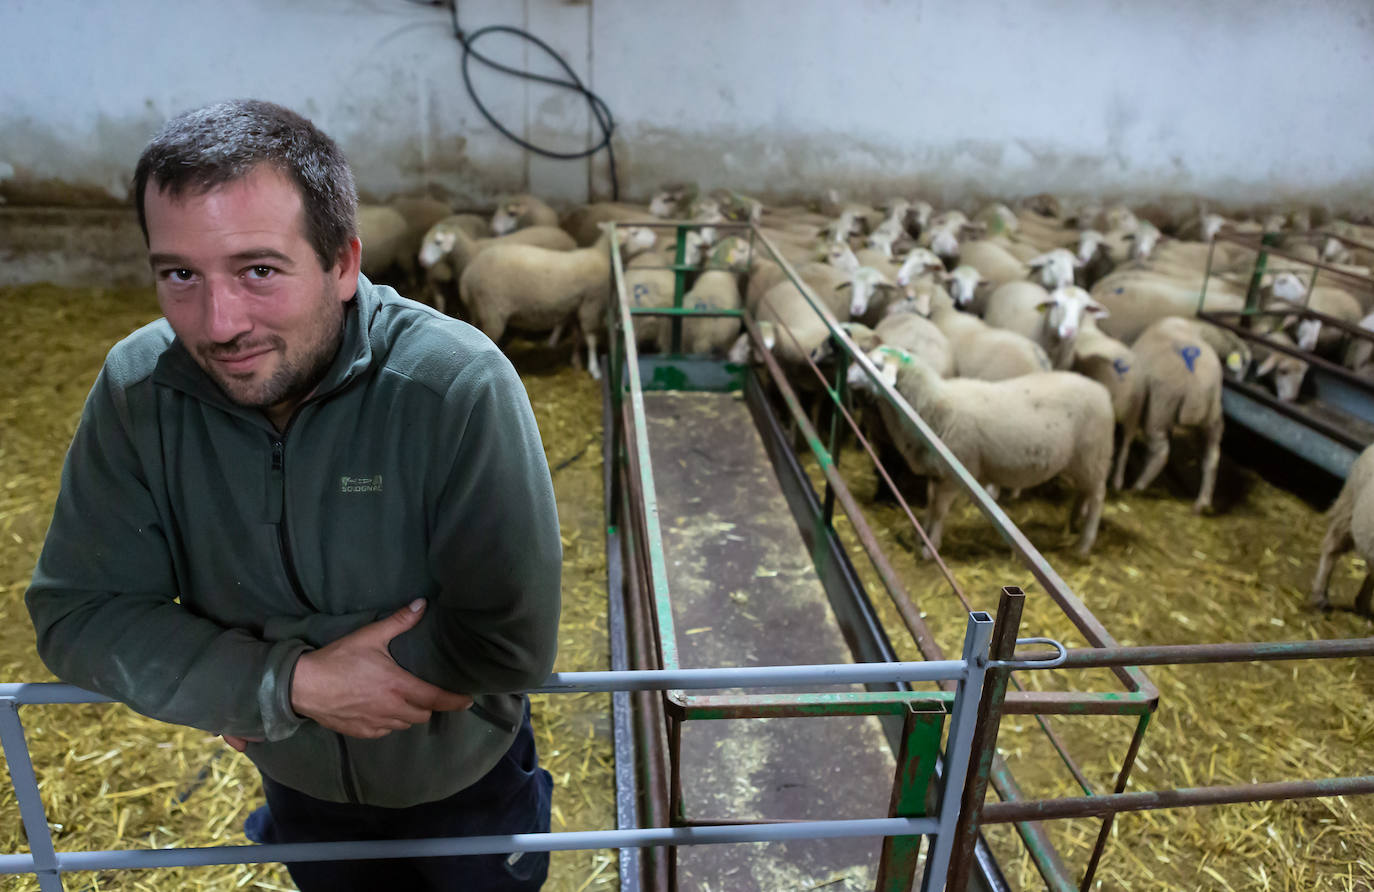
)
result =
(295, 377)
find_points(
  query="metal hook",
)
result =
(1034, 664)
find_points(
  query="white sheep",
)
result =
(1050, 318)
(1350, 524)
(993, 261)
(1136, 298)
(447, 249)
(989, 354)
(1113, 365)
(1055, 268)
(538, 289)
(1287, 369)
(907, 331)
(716, 288)
(520, 212)
(584, 223)
(1015, 433)
(1183, 389)
(864, 283)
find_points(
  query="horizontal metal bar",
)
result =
(1229, 652)
(684, 311)
(628, 680)
(474, 845)
(1188, 797)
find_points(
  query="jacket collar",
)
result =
(177, 369)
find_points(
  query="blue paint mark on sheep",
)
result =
(640, 291)
(1190, 355)
(1120, 291)
(1121, 366)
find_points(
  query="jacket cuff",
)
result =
(279, 720)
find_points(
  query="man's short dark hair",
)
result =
(208, 147)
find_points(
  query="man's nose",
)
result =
(226, 311)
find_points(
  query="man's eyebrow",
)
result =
(241, 257)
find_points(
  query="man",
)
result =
(312, 516)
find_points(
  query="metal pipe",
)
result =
(1188, 797)
(1122, 778)
(1226, 652)
(478, 845)
(984, 742)
(42, 860)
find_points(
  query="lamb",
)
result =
(521, 212)
(1112, 364)
(994, 263)
(1183, 388)
(584, 223)
(538, 288)
(1051, 319)
(989, 354)
(1350, 524)
(1015, 433)
(905, 331)
(447, 249)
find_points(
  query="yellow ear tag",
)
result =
(1234, 362)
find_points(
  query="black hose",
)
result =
(599, 109)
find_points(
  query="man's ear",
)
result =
(346, 268)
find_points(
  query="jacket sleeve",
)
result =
(104, 600)
(494, 546)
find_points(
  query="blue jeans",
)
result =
(514, 797)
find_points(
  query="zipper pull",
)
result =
(272, 498)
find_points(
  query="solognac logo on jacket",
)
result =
(360, 484)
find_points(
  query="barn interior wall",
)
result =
(1238, 103)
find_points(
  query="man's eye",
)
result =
(260, 272)
(178, 275)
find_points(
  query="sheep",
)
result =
(1112, 364)
(906, 331)
(584, 223)
(1055, 268)
(1135, 299)
(1183, 388)
(824, 279)
(447, 249)
(717, 288)
(806, 331)
(994, 262)
(1051, 319)
(1350, 524)
(1288, 370)
(521, 212)
(1095, 258)
(538, 288)
(864, 282)
(1015, 433)
(383, 232)
(989, 354)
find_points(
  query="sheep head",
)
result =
(1211, 225)
(1143, 240)
(944, 240)
(1055, 267)
(1088, 242)
(841, 256)
(507, 217)
(1066, 308)
(863, 282)
(437, 243)
(963, 282)
(1287, 286)
(918, 263)
(739, 351)
(1288, 370)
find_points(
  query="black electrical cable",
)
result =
(599, 109)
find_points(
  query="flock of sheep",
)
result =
(1023, 337)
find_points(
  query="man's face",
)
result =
(243, 289)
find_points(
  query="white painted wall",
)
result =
(1240, 102)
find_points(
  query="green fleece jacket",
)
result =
(195, 552)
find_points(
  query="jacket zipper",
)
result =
(283, 540)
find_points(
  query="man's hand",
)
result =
(353, 686)
(239, 743)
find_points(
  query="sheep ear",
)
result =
(1097, 310)
(1288, 322)
(844, 285)
(1268, 365)
(1044, 306)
